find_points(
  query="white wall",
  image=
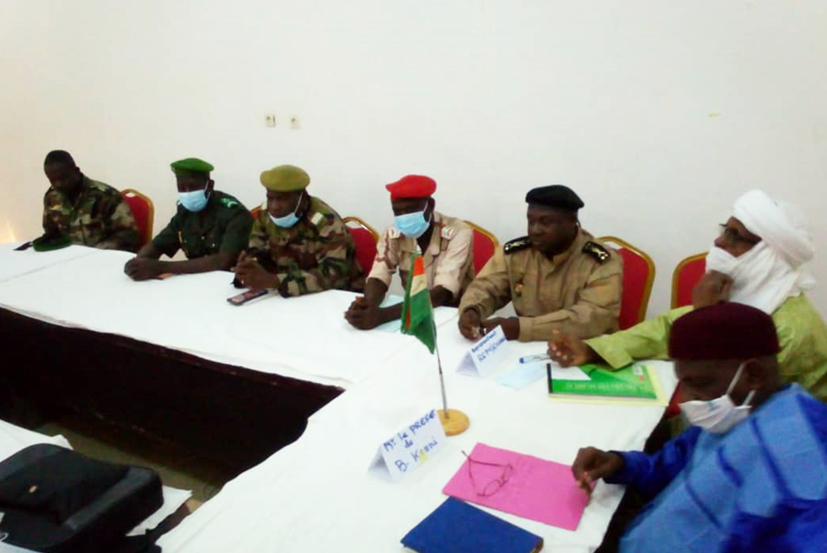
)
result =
(659, 113)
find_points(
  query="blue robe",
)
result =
(760, 487)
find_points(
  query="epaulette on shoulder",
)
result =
(318, 219)
(517, 244)
(447, 232)
(597, 251)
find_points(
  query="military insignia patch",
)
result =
(517, 244)
(317, 219)
(229, 202)
(597, 251)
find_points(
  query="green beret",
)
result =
(555, 196)
(191, 165)
(285, 178)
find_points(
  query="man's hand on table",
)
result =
(143, 268)
(569, 351)
(473, 327)
(469, 324)
(592, 464)
(252, 275)
(363, 315)
(510, 326)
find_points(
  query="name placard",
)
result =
(486, 354)
(411, 446)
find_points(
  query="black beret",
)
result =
(555, 196)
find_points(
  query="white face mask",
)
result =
(719, 415)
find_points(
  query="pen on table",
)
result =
(535, 358)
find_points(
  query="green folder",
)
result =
(630, 381)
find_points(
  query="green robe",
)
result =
(802, 335)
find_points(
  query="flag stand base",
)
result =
(456, 423)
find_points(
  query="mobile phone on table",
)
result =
(244, 297)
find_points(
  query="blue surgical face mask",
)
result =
(194, 201)
(290, 219)
(412, 225)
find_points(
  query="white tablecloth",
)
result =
(305, 337)
(15, 264)
(318, 495)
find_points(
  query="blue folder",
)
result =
(457, 527)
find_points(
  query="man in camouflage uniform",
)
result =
(211, 227)
(445, 243)
(87, 212)
(300, 245)
(558, 277)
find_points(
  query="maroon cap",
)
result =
(724, 331)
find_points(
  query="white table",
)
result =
(15, 264)
(305, 337)
(318, 495)
(258, 370)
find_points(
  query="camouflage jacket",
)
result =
(99, 217)
(315, 254)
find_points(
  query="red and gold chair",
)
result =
(686, 276)
(638, 276)
(365, 237)
(484, 244)
(144, 212)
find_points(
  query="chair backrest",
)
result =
(638, 275)
(144, 212)
(484, 245)
(365, 237)
(686, 276)
(255, 212)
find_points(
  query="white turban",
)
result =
(770, 272)
(780, 224)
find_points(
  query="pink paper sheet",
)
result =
(537, 489)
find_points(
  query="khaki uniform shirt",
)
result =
(223, 226)
(449, 258)
(315, 254)
(99, 218)
(578, 291)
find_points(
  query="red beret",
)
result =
(412, 186)
(724, 331)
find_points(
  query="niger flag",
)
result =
(417, 313)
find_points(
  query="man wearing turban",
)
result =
(750, 474)
(758, 260)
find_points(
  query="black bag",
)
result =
(58, 501)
